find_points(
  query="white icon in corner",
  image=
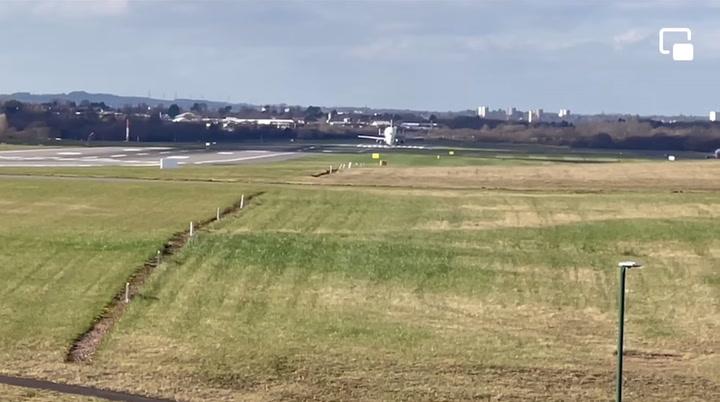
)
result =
(680, 51)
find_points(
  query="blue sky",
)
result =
(588, 56)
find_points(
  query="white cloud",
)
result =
(629, 37)
(542, 42)
(458, 47)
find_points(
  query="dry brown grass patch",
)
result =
(598, 177)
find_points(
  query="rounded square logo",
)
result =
(682, 52)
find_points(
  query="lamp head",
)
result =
(629, 264)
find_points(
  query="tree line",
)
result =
(66, 120)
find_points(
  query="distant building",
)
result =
(230, 122)
(483, 112)
(714, 116)
(564, 113)
(534, 116)
(416, 126)
(331, 114)
(346, 121)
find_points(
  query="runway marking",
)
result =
(132, 149)
(271, 155)
(69, 153)
(82, 159)
(391, 147)
(16, 158)
(47, 165)
(31, 150)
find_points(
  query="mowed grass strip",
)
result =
(66, 247)
(299, 170)
(400, 295)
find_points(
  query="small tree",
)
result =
(224, 111)
(198, 108)
(13, 106)
(312, 113)
(174, 110)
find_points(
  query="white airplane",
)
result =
(389, 136)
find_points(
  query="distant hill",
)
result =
(111, 100)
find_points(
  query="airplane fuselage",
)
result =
(388, 136)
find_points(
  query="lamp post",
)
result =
(624, 266)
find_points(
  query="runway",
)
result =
(133, 156)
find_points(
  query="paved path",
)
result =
(76, 390)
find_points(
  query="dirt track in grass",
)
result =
(85, 345)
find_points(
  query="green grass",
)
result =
(10, 393)
(307, 286)
(361, 293)
(66, 247)
(13, 147)
(301, 169)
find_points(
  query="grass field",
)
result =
(13, 147)
(300, 170)
(426, 287)
(9, 393)
(348, 293)
(66, 246)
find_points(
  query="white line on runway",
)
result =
(69, 153)
(392, 147)
(46, 165)
(178, 157)
(31, 150)
(118, 156)
(245, 158)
